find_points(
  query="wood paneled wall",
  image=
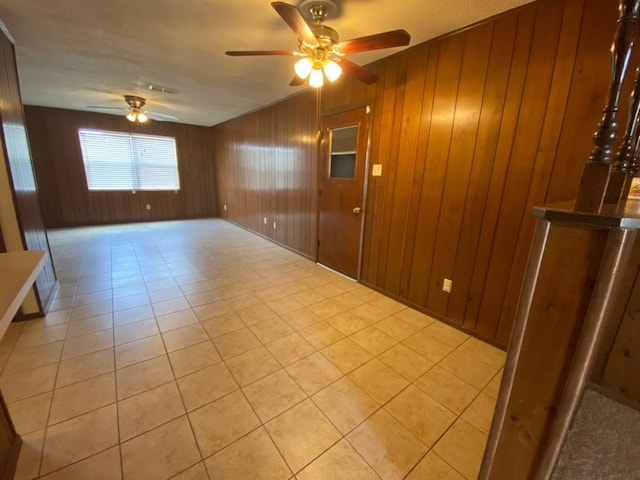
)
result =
(266, 169)
(472, 129)
(18, 158)
(65, 197)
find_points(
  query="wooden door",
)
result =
(342, 175)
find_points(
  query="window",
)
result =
(120, 161)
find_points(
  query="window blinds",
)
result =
(120, 161)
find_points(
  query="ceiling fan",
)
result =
(319, 46)
(135, 112)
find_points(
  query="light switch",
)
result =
(377, 170)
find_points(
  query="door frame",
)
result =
(367, 105)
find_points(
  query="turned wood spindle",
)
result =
(620, 54)
(629, 141)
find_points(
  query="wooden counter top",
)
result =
(18, 271)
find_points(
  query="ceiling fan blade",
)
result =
(246, 53)
(98, 107)
(296, 81)
(357, 71)
(292, 16)
(394, 38)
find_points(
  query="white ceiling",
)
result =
(75, 53)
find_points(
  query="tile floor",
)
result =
(197, 350)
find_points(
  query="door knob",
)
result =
(357, 210)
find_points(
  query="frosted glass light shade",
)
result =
(316, 79)
(131, 116)
(332, 70)
(142, 117)
(303, 67)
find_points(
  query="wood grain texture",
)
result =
(472, 130)
(66, 200)
(21, 171)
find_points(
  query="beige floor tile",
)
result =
(223, 421)
(30, 414)
(92, 342)
(103, 466)
(132, 315)
(420, 414)
(480, 412)
(92, 297)
(346, 355)
(147, 410)
(82, 397)
(443, 332)
(415, 318)
(242, 302)
(321, 335)
(469, 369)
(340, 462)
(212, 310)
(172, 305)
(79, 438)
(160, 453)
(142, 376)
(256, 314)
(139, 351)
(493, 387)
(135, 331)
(223, 324)
(197, 299)
(396, 327)
(330, 290)
(236, 342)
(283, 305)
(370, 313)
(205, 386)
(345, 404)
(130, 301)
(302, 434)
(184, 337)
(388, 305)
(86, 366)
(447, 389)
(10, 337)
(434, 468)
(41, 336)
(197, 472)
(387, 446)
(462, 447)
(25, 384)
(428, 346)
(349, 299)
(194, 358)
(406, 362)
(252, 365)
(290, 349)
(484, 352)
(373, 340)
(30, 454)
(348, 323)
(91, 310)
(254, 456)
(313, 373)
(273, 394)
(33, 357)
(378, 380)
(270, 329)
(195, 287)
(327, 308)
(300, 318)
(177, 319)
(308, 297)
(85, 326)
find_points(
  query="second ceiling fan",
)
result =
(319, 46)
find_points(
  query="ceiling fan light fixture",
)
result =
(131, 116)
(303, 67)
(316, 78)
(332, 70)
(142, 117)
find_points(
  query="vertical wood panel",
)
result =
(65, 196)
(18, 156)
(472, 130)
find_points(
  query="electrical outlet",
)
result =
(446, 285)
(265, 220)
(224, 206)
(274, 225)
(148, 206)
